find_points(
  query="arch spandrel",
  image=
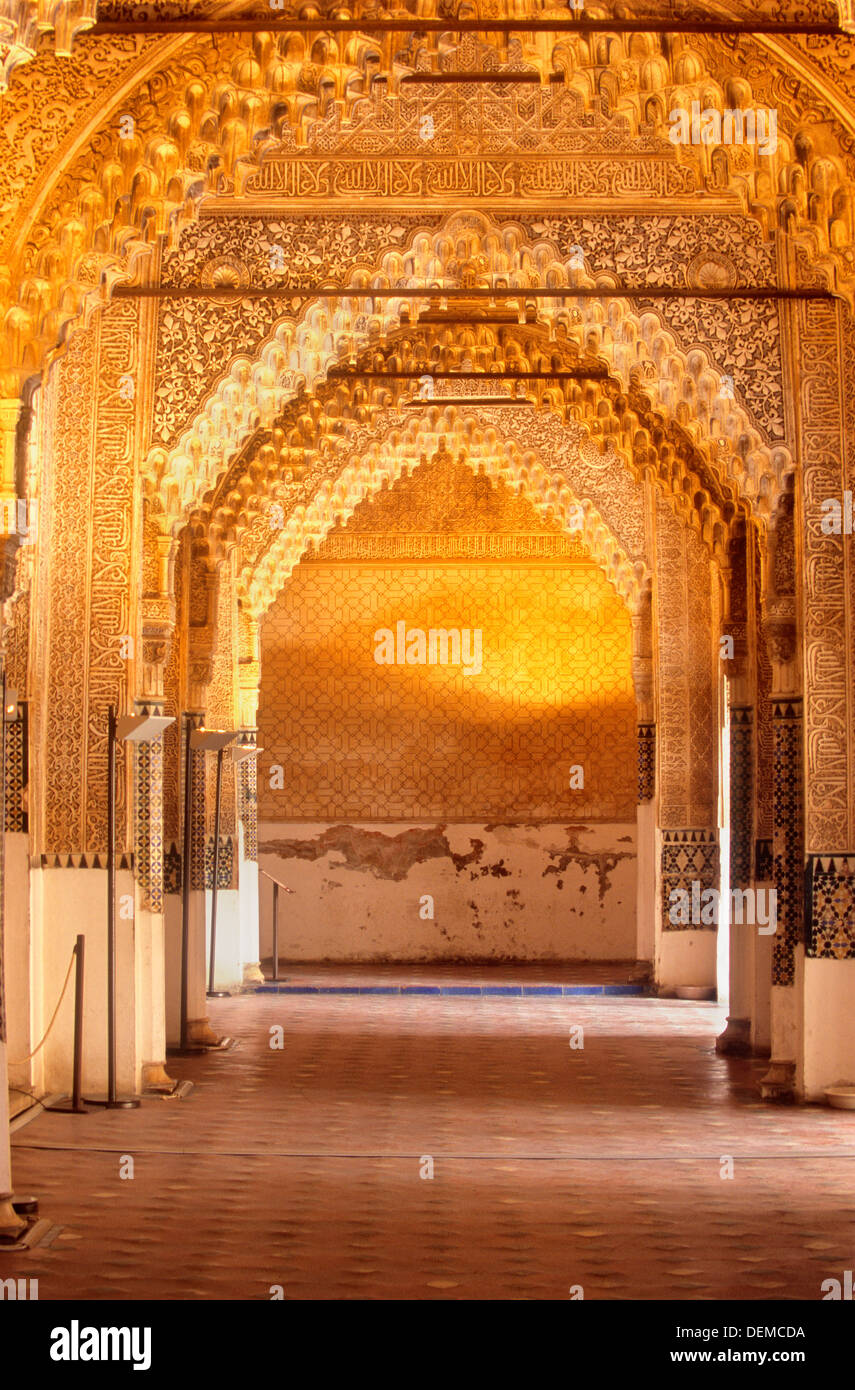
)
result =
(546, 251)
(641, 351)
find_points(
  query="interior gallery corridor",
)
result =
(427, 655)
(598, 1170)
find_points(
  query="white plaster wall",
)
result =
(785, 1026)
(686, 958)
(151, 985)
(248, 889)
(20, 1036)
(228, 968)
(761, 1017)
(500, 892)
(197, 956)
(75, 901)
(828, 1026)
(5, 1151)
(172, 945)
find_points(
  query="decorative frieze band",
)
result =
(619, 175)
(96, 859)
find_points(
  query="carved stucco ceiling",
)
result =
(78, 199)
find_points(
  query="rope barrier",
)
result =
(40, 1045)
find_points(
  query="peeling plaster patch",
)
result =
(497, 870)
(461, 861)
(476, 920)
(385, 856)
(604, 861)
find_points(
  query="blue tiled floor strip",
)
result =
(468, 990)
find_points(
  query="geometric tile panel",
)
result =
(225, 867)
(788, 836)
(198, 810)
(688, 857)
(248, 805)
(741, 795)
(225, 862)
(16, 772)
(764, 861)
(359, 740)
(830, 906)
(172, 868)
(646, 762)
(148, 822)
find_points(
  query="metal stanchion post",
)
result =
(185, 882)
(75, 1106)
(112, 1100)
(213, 993)
(275, 930)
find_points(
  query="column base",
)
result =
(201, 1034)
(252, 974)
(156, 1078)
(735, 1041)
(779, 1083)
(11, 1224)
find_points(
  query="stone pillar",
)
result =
(86, 659)
(687, 762)
(249, 678)
(787, 847)
(825, 968)
(13, 843)
(763, 866)
(247, 844)
(689, 870)
(828, 984)
(198, 1026)
(149, 904)
(734, 647)
(10, 1222)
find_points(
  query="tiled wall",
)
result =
(363, 741)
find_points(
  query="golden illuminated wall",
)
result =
(357, 740)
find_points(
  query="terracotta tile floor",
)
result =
(552, 1166)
